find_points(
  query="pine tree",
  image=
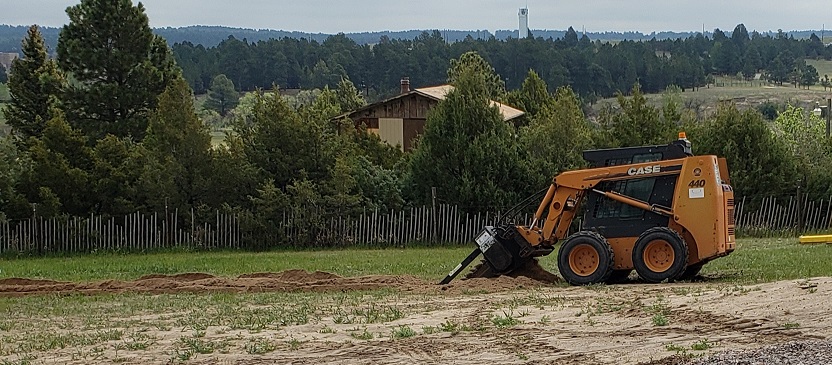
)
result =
(349, 98)
(119, 65)
(751, 62)
(638, 123)
(61, 160)
(468, 153)
(34, 83)
(533, 96)
(546, 156)
(222, 97)
(13, 166)
(181, 143)
(495, 87)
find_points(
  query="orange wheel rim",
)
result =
(583, 260)
(658, 255)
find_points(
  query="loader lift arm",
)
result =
(569, 188)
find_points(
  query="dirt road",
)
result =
(360, 320)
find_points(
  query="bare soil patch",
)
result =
(286, 281)
(303, 317)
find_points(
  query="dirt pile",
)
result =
(286, 281)
(534, 271)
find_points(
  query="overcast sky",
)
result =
(332, 16)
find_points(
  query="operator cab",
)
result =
(614, 219)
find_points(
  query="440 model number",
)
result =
(697, 184)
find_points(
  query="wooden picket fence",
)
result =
(442, 224)
(783, 216)
(134, 232)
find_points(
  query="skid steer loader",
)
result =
(657, 209)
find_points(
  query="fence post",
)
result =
(434, 229)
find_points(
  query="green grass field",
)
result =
(744, 94)
(755, 260)
(824, 67)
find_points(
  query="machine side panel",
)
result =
(699, 206)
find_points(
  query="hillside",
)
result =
(210, 36)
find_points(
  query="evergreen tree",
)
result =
(13, 166)
(547, 157)
(495, 87)
(570, 39)
(751, 62)
(34, 83)
(222, 97)
(119, 66)
(4, 76)
(532, 97)
(468, 153)
(349, 98)
(799, 69)
(809, 76)
(117, 177)
(181, 143)
(60, 181)
(638, 123)
(781, 67)
(726, 58)
(740, 37)
(282, 145)
(758, 161)
(815, 47)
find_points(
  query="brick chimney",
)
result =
(405, 85)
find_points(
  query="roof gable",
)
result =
(437, 93)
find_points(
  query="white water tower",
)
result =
(524, 23)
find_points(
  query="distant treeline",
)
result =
(211, 36)
(592, 68)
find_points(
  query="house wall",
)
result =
(390, 131)
(398, 121)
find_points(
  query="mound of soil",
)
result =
(178, 277)
(533, 270)
(293, 275)
(532, 275)
(23, 281)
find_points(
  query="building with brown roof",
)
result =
(400, 119)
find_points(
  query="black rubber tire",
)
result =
(691, 272)
(619, 276)
(680, 255)
(602, 249)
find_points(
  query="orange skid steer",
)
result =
(657, 209)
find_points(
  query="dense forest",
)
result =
(592, 65)
(210, 36)
(111, 133)
(592, 68)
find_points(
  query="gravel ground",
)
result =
(791, 353)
